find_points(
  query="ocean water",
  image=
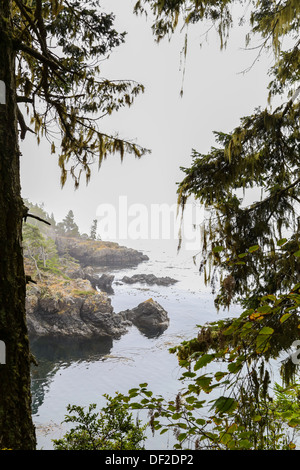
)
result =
(80, 373)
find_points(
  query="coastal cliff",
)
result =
(66, 297)
(72, 300)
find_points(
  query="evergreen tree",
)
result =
(68, 226)
(50, 52)
(40, 250)
(93, 234)
(260, 155)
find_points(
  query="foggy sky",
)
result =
(216, 95)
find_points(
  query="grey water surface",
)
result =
(80, 372)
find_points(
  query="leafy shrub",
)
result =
(112, 429)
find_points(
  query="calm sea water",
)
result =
(80, 373)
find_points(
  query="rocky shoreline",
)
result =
(75, 303)
(99, 253)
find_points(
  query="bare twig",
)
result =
(37, 218)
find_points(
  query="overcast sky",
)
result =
(216, 95)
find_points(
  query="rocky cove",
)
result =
(81, 369)
(74, 301)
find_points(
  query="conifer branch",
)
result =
(36, 54)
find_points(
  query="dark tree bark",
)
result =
(16, 427)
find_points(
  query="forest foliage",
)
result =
(40, 250)
(113, 428)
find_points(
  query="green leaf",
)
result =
(182, 425)
(144, 401)
(225, 404)
(136, 406)
(297, 253)
(245, 444)
(190, 400)
(217, 249)
(266, 331)
(281, 242)
(226, 438)
(234, 367)
(182, 436)
(231, 329)
(203, 361)
(164, 430)
(269, 297)
(200, 421)
(204, 382)
(246, 329)
(262, 340)
(285, 317)
(257, 418)
(189, 374)
(217, 421)
(219, 375)
(294, 422)
(253, 248)
(264, 309)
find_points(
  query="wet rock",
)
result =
(149, 279)
(149, 317)
(104, 283)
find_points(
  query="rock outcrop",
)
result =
(103, 282)
(71, 301)
(149, 279)
(71, 308)
(149, 317)
(99, 253)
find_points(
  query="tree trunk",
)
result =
(16, 427)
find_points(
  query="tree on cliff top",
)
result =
(50, 67)
(68, 226)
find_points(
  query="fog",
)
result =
(216, 94)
